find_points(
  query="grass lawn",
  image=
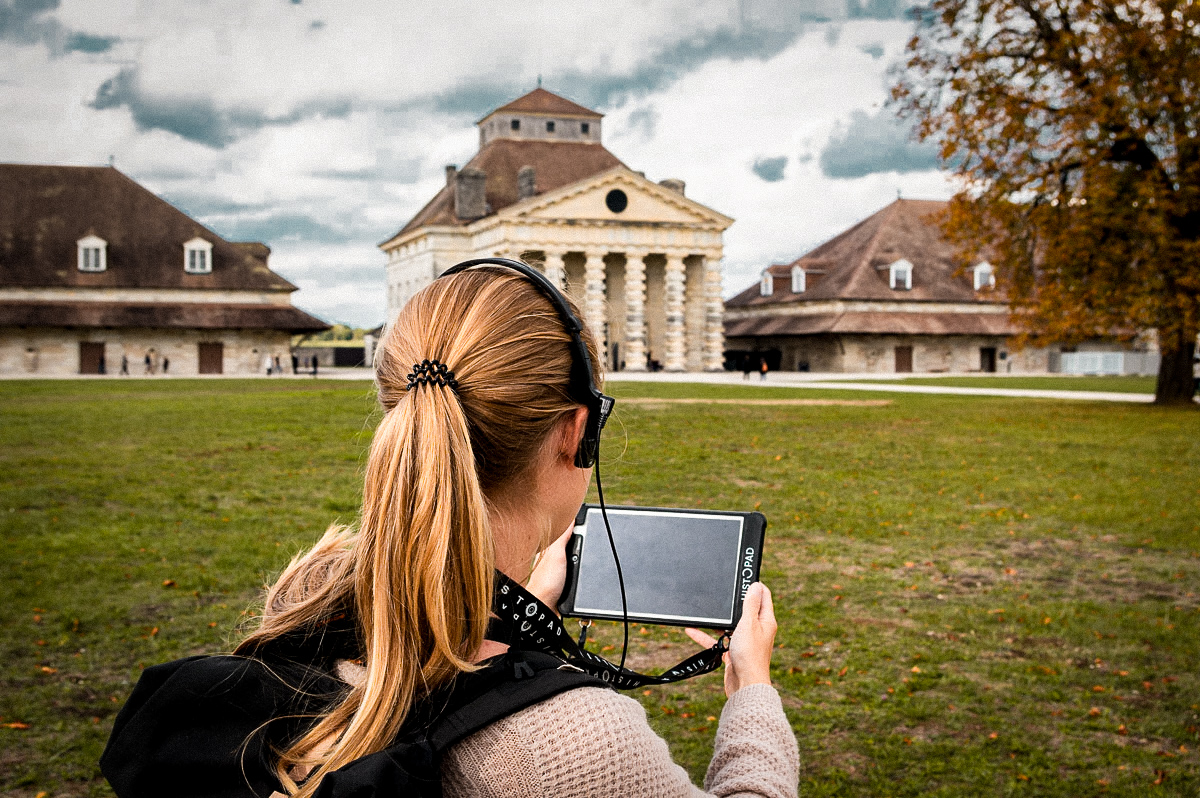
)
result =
(977, 596)
(1114, 384)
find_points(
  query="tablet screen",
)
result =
(679, 566)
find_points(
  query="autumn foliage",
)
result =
(1075, 128)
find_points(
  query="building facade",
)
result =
(98, 275)
(642, 259)
(885, 296)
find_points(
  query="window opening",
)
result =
(799, 280)
(766, 286)
(92, 254)
(985, 276)
(550, 127)
(516, 124)
(584, 128)
(197, 256)
(900, 275)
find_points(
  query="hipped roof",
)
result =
(540, 101)
(555, 164)
(45, 210)
(187, 315)
(853, 264)
(879, 323)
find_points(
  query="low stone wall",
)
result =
(57, 352)
(865, 354)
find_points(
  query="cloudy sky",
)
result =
(321, 127)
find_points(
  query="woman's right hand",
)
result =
(748, 660)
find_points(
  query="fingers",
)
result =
(705, 640)
(752, 604)
(766, 610)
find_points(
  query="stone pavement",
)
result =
(886, 383)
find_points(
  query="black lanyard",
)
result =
(523, 622)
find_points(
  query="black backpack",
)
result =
(208, 726)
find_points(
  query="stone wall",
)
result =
(56, 351)
(876, 354)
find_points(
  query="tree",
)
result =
(1074, 126)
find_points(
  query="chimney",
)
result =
(526, 182)
(673, 184)
(470, 199)
(451, 173)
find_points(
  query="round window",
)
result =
(616, 200)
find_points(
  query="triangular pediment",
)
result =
(617, 195)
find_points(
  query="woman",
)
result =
(468, 473)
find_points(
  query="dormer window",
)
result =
(799, 280)
(197, 256)
(766, 286)
(900, 275)
(985, 276)
(92, 254)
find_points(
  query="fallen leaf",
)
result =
(1093, 712)
(15, 725)
(993, 736)
(1122, 730)
(1162, 776)
(915, 669)
(1022, 777)
(154, 631)
(168, 583)
(48, 669)
(842, 672)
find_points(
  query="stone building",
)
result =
(642, 260)
(883, 296)
(96, 270)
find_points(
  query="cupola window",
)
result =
(900, 275)
(799, 280)
(197, 256)
(985, 276)
(92, 254)
(766, 286)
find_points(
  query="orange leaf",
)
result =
(842, 672)
(1093, 712)
(168, 583)
(48, 669)
(15, 725)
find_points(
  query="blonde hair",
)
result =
(418, 572)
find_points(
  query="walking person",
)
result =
(762, 369)
(267, 364)
(295, 364)
(278, 367)
(149, 363)
(125, 365)
(314, 365)
(166, 364)
(485, 450)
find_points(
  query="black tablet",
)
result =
(681, 567)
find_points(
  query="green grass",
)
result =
(1097, 383)
(954, 577)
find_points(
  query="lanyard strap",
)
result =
(523, 622)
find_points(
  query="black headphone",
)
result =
(582, 385)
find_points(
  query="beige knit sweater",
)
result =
(591, 741)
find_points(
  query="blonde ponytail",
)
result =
(418, 571)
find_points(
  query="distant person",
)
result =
(125, 365)
(149, 363)
(762, 369)
(746, 368)
(314, 365)
(102, 369)
(278, 365)
(267, 364)
(295, 364)
(166, 364)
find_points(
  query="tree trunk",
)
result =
(1175, 385)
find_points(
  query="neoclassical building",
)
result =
(641, 259)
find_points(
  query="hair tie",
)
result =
(432, 372)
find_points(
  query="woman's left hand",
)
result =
(550, 572)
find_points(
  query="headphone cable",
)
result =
(620, 576)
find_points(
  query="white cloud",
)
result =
(334, 136)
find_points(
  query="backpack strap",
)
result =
(410, 766)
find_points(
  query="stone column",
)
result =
(714, 315)
(673, 299)
(594, 314)
(634, 353)
(556, 272)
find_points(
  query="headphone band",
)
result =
(582, 384)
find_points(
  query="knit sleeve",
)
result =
(755, 751)
(595, 742)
